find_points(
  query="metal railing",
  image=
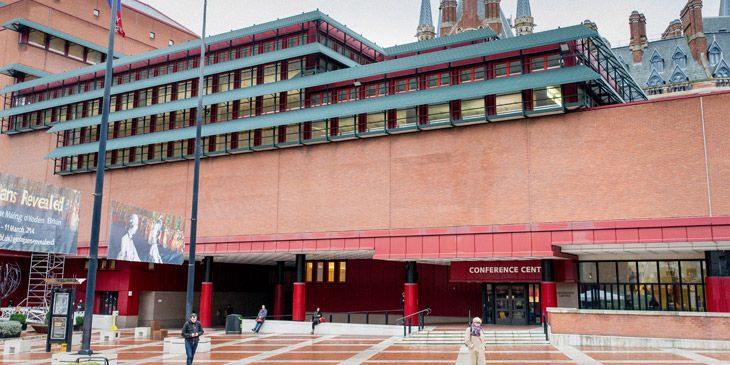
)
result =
(408, 320)
(367, 314)
(545, 326)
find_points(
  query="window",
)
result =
(438, 80)
(108, 302)
(642, 285)
(345, 95)
(406, 118)
(438, 113)
(93, 57)
(545, 62)
(57, 45)
(37, 38)
(375, 90)
(510, 103)
(320, 98)
(471, 109)
(406, 85)
(657, 61)
(329, 272)
(475, 73)
(505, 69)
(548, 97)
(679, 59)
(715, 54)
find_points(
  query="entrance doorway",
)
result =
(510, 304)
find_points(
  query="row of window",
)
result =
(60, 46)
(328, 272)
(345, 127)
(229, 53)
(265, 104)
(642, 285)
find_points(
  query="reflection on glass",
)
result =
(669, 271)
(331, 272)
(343, 272)
(588, 272)
(627, 271)
(648, 272)
(691, 271)
(607, 272)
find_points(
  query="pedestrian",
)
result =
(191, 331)
(229, 310)
(474, 341)
(260, 318)
(403, 303)
(316, 319)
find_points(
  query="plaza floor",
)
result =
(325, 350)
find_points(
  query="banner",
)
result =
(37, 217)
(496, 271)
(141, 235)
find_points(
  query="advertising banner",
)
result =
(142, 235)
(37, 217)
(496, 271)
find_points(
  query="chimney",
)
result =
(639, 42)
(493, 15)
(691, 17)
(448, 16)
(674, 30)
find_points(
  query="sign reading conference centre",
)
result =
(496, 271)
(37, 217)
(142, 235)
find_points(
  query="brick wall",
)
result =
(674, 325)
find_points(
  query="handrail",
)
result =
(427, 311)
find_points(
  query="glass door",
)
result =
(510, 302)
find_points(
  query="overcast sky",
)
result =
(391, 22)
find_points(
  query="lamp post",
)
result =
(196, 172)
(99, 189)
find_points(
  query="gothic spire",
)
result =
(523, 8)
(724, 7)
(426, 16)
(425, 29)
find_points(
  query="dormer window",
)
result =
(679, 58)
(657, 62)
(714, 53)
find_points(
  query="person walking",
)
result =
(260, 318)
(474, 341)
(316, 319)
(191, 331)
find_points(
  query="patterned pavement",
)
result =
(325, 350)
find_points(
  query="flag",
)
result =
(118, 28)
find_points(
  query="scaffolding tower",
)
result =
(43, 266)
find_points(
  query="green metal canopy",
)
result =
(15, 68)
(399, 101)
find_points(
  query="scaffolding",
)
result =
(43, 266)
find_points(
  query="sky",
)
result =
(391, 22)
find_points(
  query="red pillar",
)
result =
(411, 302)
(278, 300)
(548, 296)
(297, 313)
(717, 289)
(206, 304)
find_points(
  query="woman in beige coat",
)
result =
(474, 341)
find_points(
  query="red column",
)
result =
(411, 304)
(717, 289)
(297, 313)
(548, 296)
(206, 304)
(278, 300)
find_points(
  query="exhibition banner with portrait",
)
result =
(38, 217)
(142, 235)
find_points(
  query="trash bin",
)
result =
(233, 324)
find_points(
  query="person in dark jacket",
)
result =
(191, 331)
(316, 319)
(260, 318)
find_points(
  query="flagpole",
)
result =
(99, 189)
(196, 172)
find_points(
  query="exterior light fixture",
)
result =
(357, 83)
(96, 13)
